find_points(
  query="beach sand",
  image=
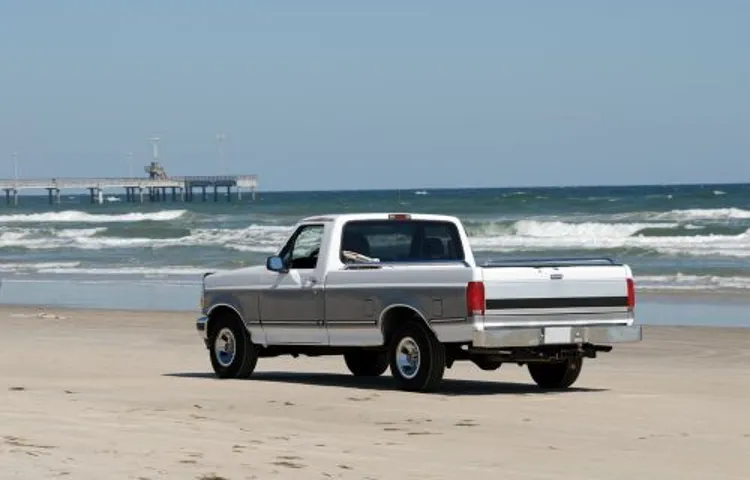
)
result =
(104, 394)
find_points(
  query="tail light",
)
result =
(631, 293)
(475, 298)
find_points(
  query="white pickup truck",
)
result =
(404, 291)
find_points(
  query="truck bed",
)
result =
(554, 300)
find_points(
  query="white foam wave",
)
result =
(34, 238)
(523, 235)
(189, 273)
(255, 238)
(722, 245)
(75, 216)
(255, 248)
(703, 214)
(685, 215)
(80, 232)
(538, 235)
(12, 236)
(35, 266)
(558, 228)
(13, 233)
(534, 228)
(147, 272)
(692, 282)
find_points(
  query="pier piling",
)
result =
(54, 195)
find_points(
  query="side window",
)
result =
(375, 241)
(303, 248)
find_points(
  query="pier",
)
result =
(137, 190)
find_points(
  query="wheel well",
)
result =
(222, 311)
(395, 316)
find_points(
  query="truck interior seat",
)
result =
(355, 242)
(433, 248)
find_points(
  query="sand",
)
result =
(102, 394)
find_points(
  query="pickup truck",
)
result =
(404, 291)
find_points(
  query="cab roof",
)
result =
(344, 217)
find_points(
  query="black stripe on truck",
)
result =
(563, 302)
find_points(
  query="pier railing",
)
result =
(241, 181)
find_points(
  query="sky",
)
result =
(316, 95)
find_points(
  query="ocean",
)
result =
(677, 238)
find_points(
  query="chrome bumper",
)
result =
(200, 326)
(558, 335)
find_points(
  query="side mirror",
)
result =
(275, 263)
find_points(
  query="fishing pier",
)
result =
(137, 190)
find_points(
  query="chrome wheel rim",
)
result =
(408, 358)
(225, 347)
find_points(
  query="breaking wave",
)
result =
(694, 232)
(75, 216)
(686, 215)
(692, 282)
(662, 238)
(255, 238)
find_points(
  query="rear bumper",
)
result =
(508, 337)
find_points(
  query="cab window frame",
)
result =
(419, 227)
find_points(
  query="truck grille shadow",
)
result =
(449, 387)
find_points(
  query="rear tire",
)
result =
(416, 357)
(366, 364)
(233, 354)
(557, 375)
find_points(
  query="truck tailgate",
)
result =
(557, 295)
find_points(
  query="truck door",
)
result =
(292, 306)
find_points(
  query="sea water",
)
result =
(677, 238)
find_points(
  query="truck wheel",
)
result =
(416, 357)
(233, 355)
(366, 364)
(556, 375)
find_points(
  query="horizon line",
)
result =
(427, 188)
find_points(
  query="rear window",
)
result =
(364, 241)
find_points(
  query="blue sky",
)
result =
(380, 94)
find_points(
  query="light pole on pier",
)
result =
(221, 137)
(130, 164)
(14, 155)
(155, 147)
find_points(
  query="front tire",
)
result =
(557, 375)
(366, 364)
(416, 357)
(233, 355)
